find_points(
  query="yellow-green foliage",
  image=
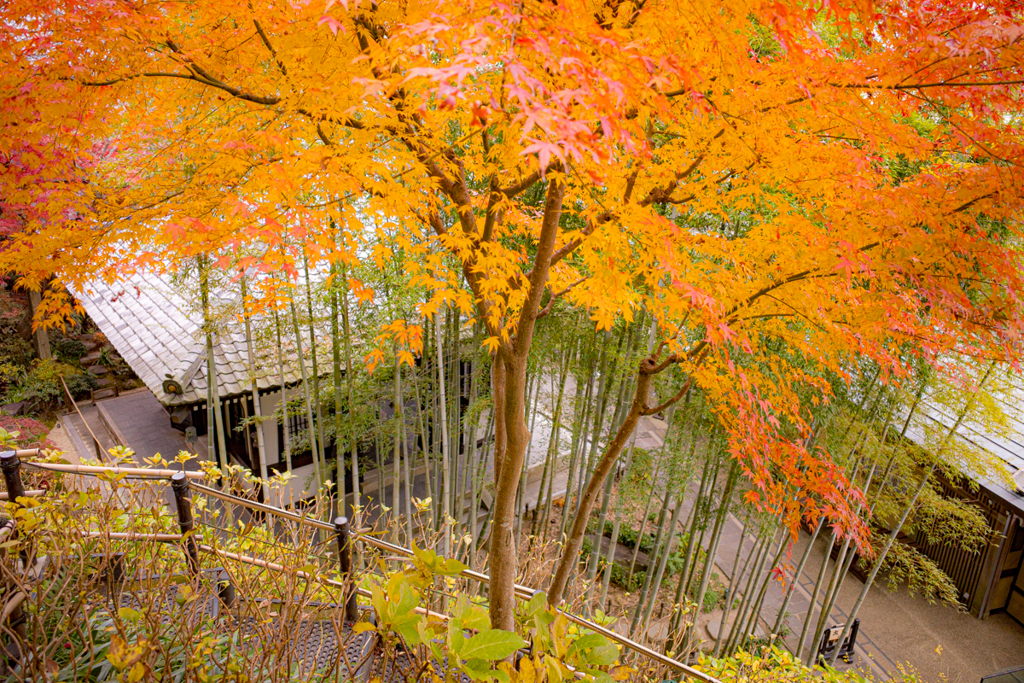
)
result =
(778, 666)
(78, 628)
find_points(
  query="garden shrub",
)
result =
(67, 349)
(769, 664)
(23, 432)
(41, 387)
(110, 359)
(620, 575)
(15, 350)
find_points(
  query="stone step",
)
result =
(85, 444)
(90, 358)
(97, 370)
(102, 393)
(104, 382)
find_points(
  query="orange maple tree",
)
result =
(841, 180)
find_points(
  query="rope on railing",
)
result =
(99, 446)
(522, 592)
(93, 470)
(31, 493)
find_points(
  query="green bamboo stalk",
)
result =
(339, 444)
(445, 451)
(716, 536)
(257, 411)
(308, 398)
(211, 369)
(767, 534)
(349, 384)
(285, 436)
(321, 453)
(776, 629)
(649, 574)
(755, 613)
(613, 543)
(737, 578)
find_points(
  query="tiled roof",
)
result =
(1007, 445)
(158, 334)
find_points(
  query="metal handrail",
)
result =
(520, 591)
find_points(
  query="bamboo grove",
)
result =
(768, 226)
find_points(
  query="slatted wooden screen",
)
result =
(962, 567)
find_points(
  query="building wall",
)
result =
(1008, 588)
(270, 403)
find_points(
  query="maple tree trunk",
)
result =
(508, 387)
(40, 338)
(512, 376)
(574, 541)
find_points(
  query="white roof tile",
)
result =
(1007, 447)
(152, 327)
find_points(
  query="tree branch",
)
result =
(547, 308)
(266, 42)
(541, 264)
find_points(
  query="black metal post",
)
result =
(115, 568)
(11, 466)
(345, 559)
(225, 589)
(179, 484)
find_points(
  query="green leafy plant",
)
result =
(110, 359)
(42, 385)
(466, 642)
(14, 348)
(67, 349)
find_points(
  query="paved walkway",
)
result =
(898, 632)
(138, 420)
